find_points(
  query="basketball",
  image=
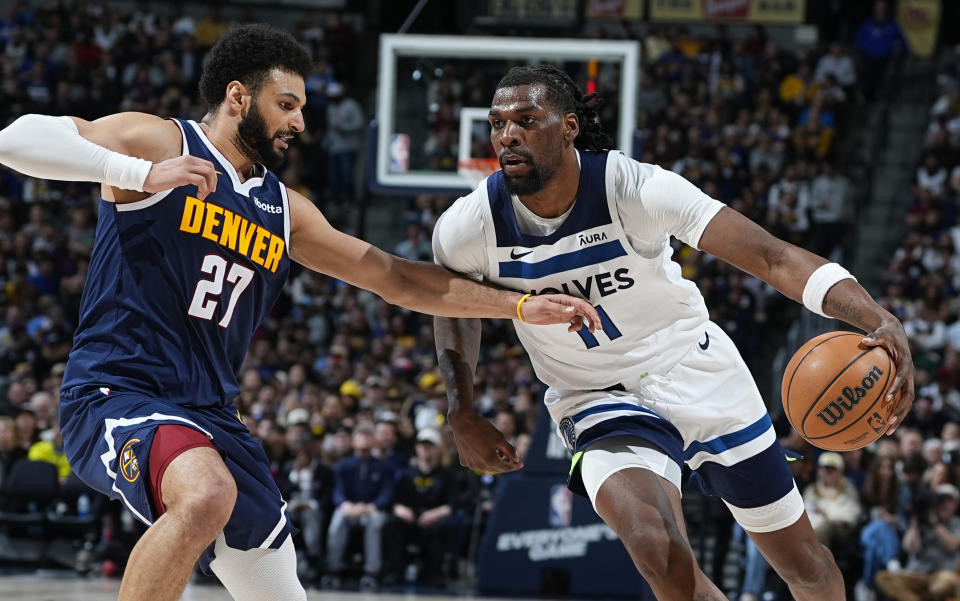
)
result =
(833, 391)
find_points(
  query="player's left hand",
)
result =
(893, 339)
(181, 171)
(480, 445)
(560, 308)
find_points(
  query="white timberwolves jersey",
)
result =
(612, 248)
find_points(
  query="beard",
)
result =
(536, 178)
(522, 185)
(255, 141)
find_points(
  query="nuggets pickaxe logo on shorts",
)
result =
(129, 466)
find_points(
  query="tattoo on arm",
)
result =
(847, 310)
(458, 348)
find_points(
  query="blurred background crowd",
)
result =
(338, 384)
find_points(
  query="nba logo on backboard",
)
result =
(561, 506)
(399, 153)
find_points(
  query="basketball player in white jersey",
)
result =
(661, 385)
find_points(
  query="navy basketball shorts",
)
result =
(705, 412)
(107, 437)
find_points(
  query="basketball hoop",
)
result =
(474, 170)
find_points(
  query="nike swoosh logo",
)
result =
(515, 255)
(706, 342)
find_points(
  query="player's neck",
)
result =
(556, 198)
(223, 137)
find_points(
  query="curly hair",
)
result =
(247, 54)
(569, 98)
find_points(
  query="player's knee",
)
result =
(208, 505)
(218, 498)
(660, 552)
(814, 567)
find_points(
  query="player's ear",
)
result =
(571, 127)
(237, 97)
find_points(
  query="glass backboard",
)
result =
(434, 93)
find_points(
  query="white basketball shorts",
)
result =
(706, 412)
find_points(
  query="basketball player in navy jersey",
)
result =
(193, 246)
(661, 386)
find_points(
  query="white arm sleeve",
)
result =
(655, 203)
(459, 241)
(52, 148)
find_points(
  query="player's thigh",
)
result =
(639, 504)
(607, 456)
(110, 445)
(259, 516)
(759, 490)
(728, 438)
(635, 490)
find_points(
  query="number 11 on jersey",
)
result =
(608, 328)
(216, 266)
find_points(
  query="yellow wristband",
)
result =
(520, 302)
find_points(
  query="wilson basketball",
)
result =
(833, 391)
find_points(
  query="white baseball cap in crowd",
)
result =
(429, 435)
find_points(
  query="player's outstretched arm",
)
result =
(480, 445)
(416, 285)
(812, 280)
(125, 151)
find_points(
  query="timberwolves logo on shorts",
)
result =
(569, 433)
(129, 466)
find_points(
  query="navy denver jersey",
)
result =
(177, 286)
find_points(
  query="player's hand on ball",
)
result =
(560, 308)
(900, 398)
(481, 446)
(182, 171)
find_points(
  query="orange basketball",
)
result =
(833, 391)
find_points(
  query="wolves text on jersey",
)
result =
(232, 231)
(606, 284)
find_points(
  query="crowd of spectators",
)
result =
(342, 388)
(754, 126)
(906, 520)
(889, 512)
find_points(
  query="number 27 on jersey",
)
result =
(209, 292)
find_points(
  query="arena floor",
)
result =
(70, 588)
